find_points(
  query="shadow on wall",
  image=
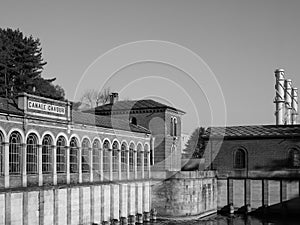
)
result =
(275, 165)
(192, 164)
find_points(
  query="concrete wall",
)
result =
(185, 194)
(74, 205)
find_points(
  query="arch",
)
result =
(116, 144)
(140, 147)
(294, 157)
(5, 137)
(132, 146)
(32, 131)
(124, 143)
(133, 120)
(50, 134)
(2, 162)
(61, 145)
(175, 127)
(15, 148)
(32, 142)
(106, 143)
(96, 154)
(47, 148)
(97, 139)
(61, 134)
(124, 149)
(74, 148)
(85, 155)
(22, 135)
(146, 147)
(172, 126)
(240, 158)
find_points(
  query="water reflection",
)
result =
(227, 220)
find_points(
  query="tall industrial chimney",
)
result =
(288, 101)
(294, 105)
(279, 99)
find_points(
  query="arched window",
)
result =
(295, 157)
(172, 127)
(115, 156)
(175, 127)
(133, 120)
(123, 157)
(240, 159)
(15, 146)
(96, 155)
(47, 154)
(85, 156)
(73, 155)
(131, 157)
(1, 154)
(61, 146)
(32, 154)
(139, 157)
(146, 153)
(106, 164)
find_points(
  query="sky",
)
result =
(215, 60)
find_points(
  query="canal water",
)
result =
(228, 220)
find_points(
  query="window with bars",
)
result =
(47, 154)
(240, 159)
(73, 155)
(131, 158)
(123, 157)
(32, 154)
(61, 155)
(106, 159)
(15, 147)
(139, 158)
(1, 154)
(96, 156)
(85, 156)
(115, 157)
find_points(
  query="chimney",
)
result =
(288, 101)
(279, 99)
(113, 97)
(294, 105)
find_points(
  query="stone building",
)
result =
(162, 120)
(256, 166)
(60, 166)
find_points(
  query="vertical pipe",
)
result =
(294, 105)
(288, 101)
(279, 99)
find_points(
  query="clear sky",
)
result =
(241, 41)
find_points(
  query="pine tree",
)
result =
(21, 65)
(195, 146)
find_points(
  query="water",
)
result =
(228, 220)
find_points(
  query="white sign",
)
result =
(46, 107)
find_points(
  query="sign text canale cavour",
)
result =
(46, 107)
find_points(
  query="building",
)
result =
(162, 120)
(60, 166)
(264, 150)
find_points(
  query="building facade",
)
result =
(59, 166)
(162, 120)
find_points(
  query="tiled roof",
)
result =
(255, 131)
(8, 106)
(133, 105)
(107, 122)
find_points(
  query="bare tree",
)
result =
(93, 98)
